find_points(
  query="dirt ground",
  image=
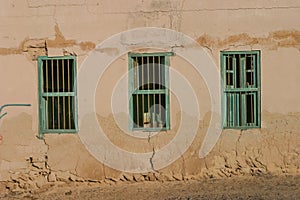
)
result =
(263, 187)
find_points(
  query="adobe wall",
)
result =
(35, 27)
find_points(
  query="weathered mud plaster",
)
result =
(40, 47)
(275, 40)
(164, 39)
(29, 163)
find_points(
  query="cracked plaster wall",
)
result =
(36, 27)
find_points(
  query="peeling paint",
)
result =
(38, 46)
(87, 46)
(59, 41)
(275, 40)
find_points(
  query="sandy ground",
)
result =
(266, 187)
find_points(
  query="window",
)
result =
(240, 73)
(57, 95)
(149, 91)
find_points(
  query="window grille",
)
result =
(57, 94)
(240, 73)
(149, 93)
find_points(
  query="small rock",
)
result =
(178, 177)
(165, 177)
(24, 177)
(159, 177)
(11, 185)
(22, 184)
(31, 184)
(189, 177)
(198, 177)
(75, 178)
(138, 178)
(63, 176)
(93, 181)
(109, 181)
(15, 177)
(151, 177)
(51, 177)
(17, 191)
(112, 179)
(40, 181)
(226, 172)
(128, 177)
(122, 178)
(228, 166)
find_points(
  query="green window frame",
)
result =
(241, 91)
(148, 88)
(57, 92)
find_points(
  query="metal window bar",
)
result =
(142, 84)
(52, 108)
(69, 98)
(148, 87)
(58, 102)
(154, 63)
(46, 90)
(137, 81)
(63, 98)
(159, 87)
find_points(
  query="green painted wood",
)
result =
(59, 131)
(41, 107)
(233, 98)
(235, 79)
(224, 111)
(258, 82)
(57, 58)
(150, 91)
(131, 54)
(58, 94)
(167, 64)
(132, 90)
(42, 94)
(226, 90)
(75, 91)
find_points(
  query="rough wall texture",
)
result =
(34, 27)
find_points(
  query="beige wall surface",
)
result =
(55, 28)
